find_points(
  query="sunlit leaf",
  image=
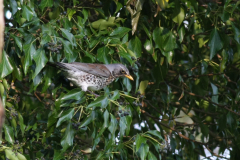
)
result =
(5, 66)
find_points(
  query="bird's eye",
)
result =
(122, 71)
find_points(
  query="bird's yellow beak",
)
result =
(129, 77)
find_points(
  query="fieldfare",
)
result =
(91, 76)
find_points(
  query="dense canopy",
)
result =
(184, 56)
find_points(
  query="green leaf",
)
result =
(125, 123)
(66, 34)
(151, 156)
(139, 141)
(29, 50)
(76, 94)
(204, 129)
(14, 6)
(103, 128)
(113, 126)
(68, 50)
(181, 33)
(215, 93)
(103, 55)
(46, 3)
(10, 154)
(101, 101)
(215, 43)
(143, 85)
(127, 56)
(14, 125)
(18, 42)
(57, 155)
(5, 66)
(125, 39)
(45, 39)
(88, 120)
(65, 116)
(120, 32)
(178, 15)
(236, 33)
(168, 55)
(106, 118)
(21, 123)
(148, 46)
(70, 13)
(40, 59)
(85, 15)
(135, 46)
(157, 37)
(155, 133)
(20, 156)
(67, 140)
(164, 39)
(51, 120)
(115, 95)
(8, 131)
(27, 13)
(127, 84)
(169, 42)
(143, 151)
(224, 61)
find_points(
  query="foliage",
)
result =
(184, 56)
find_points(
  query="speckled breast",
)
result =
(95, 82)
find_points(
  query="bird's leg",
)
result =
(96, 95)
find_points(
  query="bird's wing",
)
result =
(95, 69)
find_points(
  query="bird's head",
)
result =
(119, 70)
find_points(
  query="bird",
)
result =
(92, 76)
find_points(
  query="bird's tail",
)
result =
(62, 66)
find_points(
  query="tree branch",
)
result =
(195, 95)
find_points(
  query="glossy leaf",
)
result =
(46, 3)
(178, 15)
(236, 33)
(10, 154)
(215, 43)
(40, 59)
(101, 101)
(9, 135)
(135, 46)
(115, 95)
(156, 133)
(5, 66)
(76, 94)
(57, 155)
(29, 50)
(65, 116)
(120, 31)
(88, 119)
(215, 93)
(27, 13)
(68, 35)
(67, 140)
(113, 125)
(18, 42)
(143, 151)
(143, 85)
(126, 56)
(103, 55)
(148, 46)
(127, 84)
(13, 4)
(139, 141)
(151, 156)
